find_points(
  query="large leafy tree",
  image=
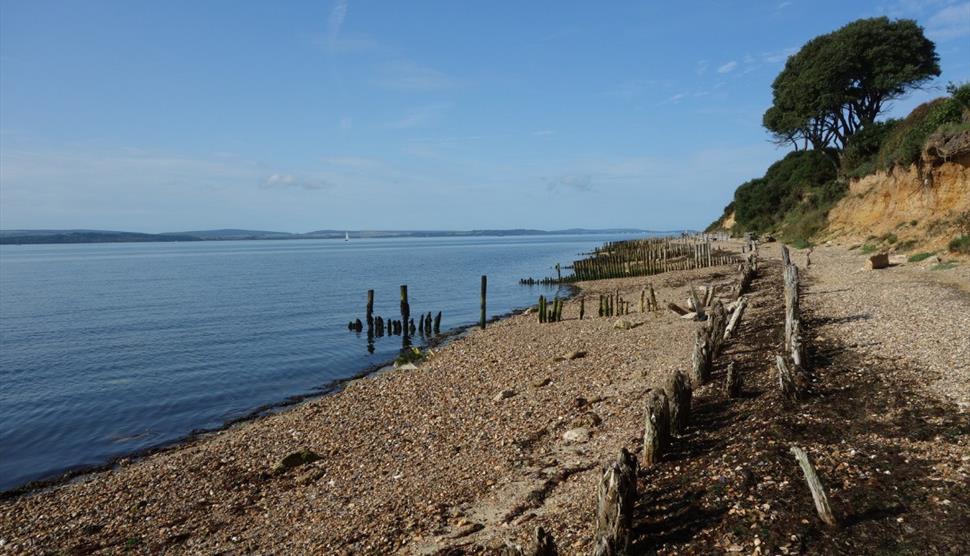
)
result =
(840, 82)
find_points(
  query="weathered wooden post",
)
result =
(370, 311)
(679, 395)
(656, 422)
(815, 486)
(558, 273)
(735, 317)
(481, 319)
(653, 299)
(787, 380)
(437, 323)
(582, 307)
(405, 311)
(542, 309)
(421, 325)
(616, 497)
(732, 382)
(700, 358)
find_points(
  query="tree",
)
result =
(840, 82)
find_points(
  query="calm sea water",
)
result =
(108, 349)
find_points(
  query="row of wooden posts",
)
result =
(642, 257)
(609, 305)
(405, 326)
(667, 412)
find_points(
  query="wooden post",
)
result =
(656, 433)
(370, 311)
(643, 300)
(653, 299)
(421, 325)
(700, 358)
(582, 307)
(679, 396)
(481, 318)
(732, 382)
(815, 486)
(542, 309)
(558, 273)
(616, 497)
(405, 311)
(787, 380)
(437, 323)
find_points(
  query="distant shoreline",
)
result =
(50, 237)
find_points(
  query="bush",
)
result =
(859, 156)
(920, 257)
(960, 245)
(760, 204)
(904, 144)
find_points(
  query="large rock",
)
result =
(504, 395)
(296, 459)
(876, 262)
(622, 324)
(576, 436)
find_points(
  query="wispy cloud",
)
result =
(405, 75)
(728, 67)
(289, 181)
(420, 117)
(782, 6)
(336, 22)
(949, 23)
(570, 182)
(776, 56)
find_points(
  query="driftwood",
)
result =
(815, 486)
(616, 496)
(679, 396)
(786, 379)
(675, 308)
(735, 317)
(656, 433)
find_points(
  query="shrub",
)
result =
(869, 248)
(904, 144)
(859, 155)
(960, 245)
(920, 257)
(906, 245)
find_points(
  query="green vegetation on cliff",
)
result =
(825, 105)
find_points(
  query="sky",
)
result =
(298, 116)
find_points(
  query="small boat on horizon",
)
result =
(346, 236)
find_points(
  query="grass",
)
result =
(944, 266)
(960, 245)
(801, 243)
(906, 245)
(869, 248)
(920, 256)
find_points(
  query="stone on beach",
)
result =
(876, 262)
(503, 395)
(576, 436)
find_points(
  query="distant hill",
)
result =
(85, 236)
(108, 236)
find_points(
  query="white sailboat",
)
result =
(346, 236)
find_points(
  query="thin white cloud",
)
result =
(949, 23)
(783, 5)
(405, 75)
(776, 56)
(419, 117)
(570, 182)
(728, 67)
(289, 181)
(335, 22)
(677, 98)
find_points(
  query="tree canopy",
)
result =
(840, 82)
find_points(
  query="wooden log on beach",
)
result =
(679, 395)
(481, 318)
(815, 486)
(616, 497)
(675, 308)
(735, 317)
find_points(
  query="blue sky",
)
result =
(295, 116)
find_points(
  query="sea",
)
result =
(113, 349)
